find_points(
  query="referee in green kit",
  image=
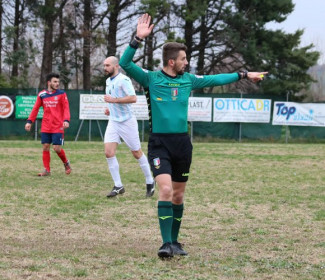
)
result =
(169, 146)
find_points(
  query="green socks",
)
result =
(177, 219)
(165, 215)
(170, 218)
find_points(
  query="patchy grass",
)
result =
(252, 211)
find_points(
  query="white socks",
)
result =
(143, 161)
(114, 169)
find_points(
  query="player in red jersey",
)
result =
(55, 119)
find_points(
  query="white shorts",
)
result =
(127, 130)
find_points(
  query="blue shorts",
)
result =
(52, 138)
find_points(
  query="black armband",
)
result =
(242, 75)
(134, 43)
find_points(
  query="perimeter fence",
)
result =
(13, 128)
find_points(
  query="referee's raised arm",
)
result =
(144, 28)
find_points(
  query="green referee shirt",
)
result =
(168, 96)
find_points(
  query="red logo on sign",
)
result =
(6, 107)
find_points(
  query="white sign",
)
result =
(92, 107)
(302, 114)
(140, 108)
(241, 110)
(199, 109)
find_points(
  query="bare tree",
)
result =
(86, 45)
(48, 13)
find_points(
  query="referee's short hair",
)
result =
(171, 50)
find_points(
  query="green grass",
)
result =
(252, 211)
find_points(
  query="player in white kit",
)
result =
(122, 124)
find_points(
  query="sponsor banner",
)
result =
(200, 109)
(140, 108)
(301, 114)
(241, 110)
(24, 106)
(92, 107)
(6, 107)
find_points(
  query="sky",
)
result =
(308, 15)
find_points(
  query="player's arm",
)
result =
(224, 79)
(66, 111)
(33, 113)
(121, 100)
(144, 28)
(133, 70)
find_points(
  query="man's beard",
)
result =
(179, 71)
(109, 74)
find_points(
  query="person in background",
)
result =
(56, 118)
(122, 123)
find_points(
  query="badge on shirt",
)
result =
(174, 93)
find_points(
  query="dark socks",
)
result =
(165, 215)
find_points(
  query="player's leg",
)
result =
(178, 208)
(58, 142)
(165, 214)
(180, 172)
(46, 141)
(111, 141)
(161, 168)
(128, 131)
(145, 167)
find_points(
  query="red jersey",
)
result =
(56, 110)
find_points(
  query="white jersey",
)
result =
(119, 86)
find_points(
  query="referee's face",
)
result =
(180, 63)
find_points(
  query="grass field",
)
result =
(252, 211)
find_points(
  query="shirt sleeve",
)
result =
(213, 80)
(33, 114)
(66, 108)
(133, 70)
(127, 86)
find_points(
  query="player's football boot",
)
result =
(115, 191)
(67, 167)
(44, 173)
(165, 251)
(150, 189)
(178, 249)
